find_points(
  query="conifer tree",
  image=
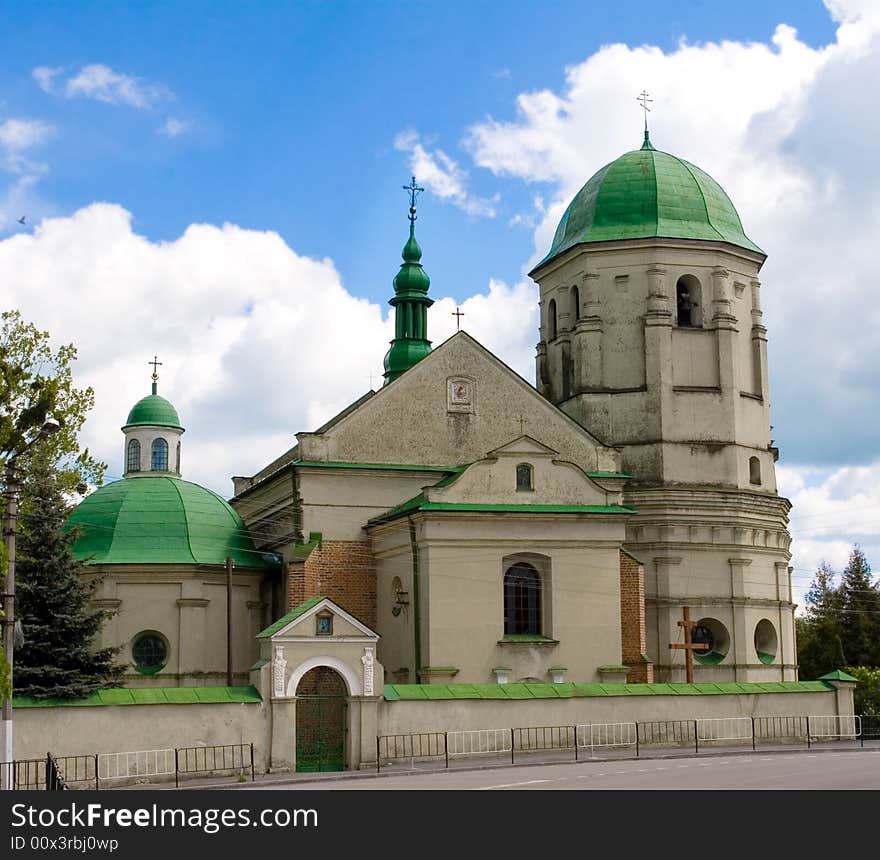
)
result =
(860, 603)
(57, 658)
(820, 644)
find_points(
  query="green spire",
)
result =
(410, 303)
(647, 144)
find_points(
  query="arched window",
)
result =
(177, 466)
(575, 304)
(159, 459)
(688, 295)
(551, 319)
(754, 470)
(133, 463)
(524, 477)
(522, 600)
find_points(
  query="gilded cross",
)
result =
(414, 190)
(644, 101)
(458, 315)
(155, 364)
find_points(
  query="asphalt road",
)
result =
(856, 769)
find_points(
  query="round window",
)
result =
(711, 632)
(149, 651)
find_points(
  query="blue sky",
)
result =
(221, 184)
(291, 111)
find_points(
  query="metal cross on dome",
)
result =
(155, 364)
(644, 101)
(414, 190)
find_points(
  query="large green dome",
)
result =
(648, 194)
(153, 410)
(160, 520)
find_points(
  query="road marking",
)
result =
(511, 784)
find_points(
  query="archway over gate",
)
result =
(321, 720)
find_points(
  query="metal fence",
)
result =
(409, 747)
(37, 774)
(214, 759)
(594, 736)
(478, 742)
(135, 765)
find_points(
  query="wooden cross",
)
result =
(688, 646)
(155, 364)
(458, 315)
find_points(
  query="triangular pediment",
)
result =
(303, 622)
(525, 445)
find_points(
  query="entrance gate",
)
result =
(320, 721)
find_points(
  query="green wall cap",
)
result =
(294, 613)
(429, 692)
(302, 551)
(148, 696)
(608, 475)
(646, 194)
(263, 661)
(152, 410)
(838, 675)
(444, 670)
(160, 520)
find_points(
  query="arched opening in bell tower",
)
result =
(688, 294)
(551, 319)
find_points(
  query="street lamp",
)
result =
(10, 481)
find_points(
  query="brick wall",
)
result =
(632, 620)
(342, 570)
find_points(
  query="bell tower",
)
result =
(652, 338)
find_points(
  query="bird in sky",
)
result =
(21, 220)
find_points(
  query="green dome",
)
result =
(160, 520)
(154, 410)
(646, 194)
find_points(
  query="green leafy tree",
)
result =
(36, 382)
(819, 632)
(867, 693)
(860, 604)
(5, 689)
(58, 657)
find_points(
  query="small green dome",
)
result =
(153, 410)
(411, 278)
(646, 194)
(160, 520)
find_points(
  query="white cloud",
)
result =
(441, 175)
(239, 320)
(17, 135)
(100, 82)
(17, 138)
(45, 77)
(172, 127)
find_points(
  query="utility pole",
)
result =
(229, 565)
(10, 483)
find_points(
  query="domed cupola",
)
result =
(410, 303)
(645, 194)
(152, 435)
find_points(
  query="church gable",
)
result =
(317, 618)
(453, 407)
(522, 472)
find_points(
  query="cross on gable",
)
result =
(458, 315)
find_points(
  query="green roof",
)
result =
(418, 503)
(294, 613)
(160, 520)
(415, 692)
(147, 696)
(153, 410)
(649, 194)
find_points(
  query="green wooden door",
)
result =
(320, 721)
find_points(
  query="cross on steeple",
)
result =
(688, 646)
(155, 364)
(458, 315)
(643, 99)
(414, 190)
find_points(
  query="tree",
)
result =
(860, 604)
(866, 696)
(37, 382)
(57, 658)
(820, 642)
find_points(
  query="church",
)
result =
(461, 526)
